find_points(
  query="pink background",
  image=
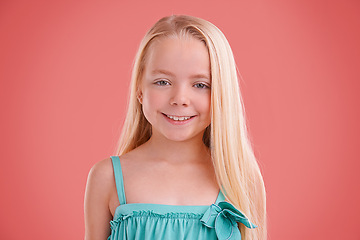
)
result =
(65, 69)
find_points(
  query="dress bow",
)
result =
(224, 217)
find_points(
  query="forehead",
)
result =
(181, 55)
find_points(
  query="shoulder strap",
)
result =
(220, 197)
(119, 179)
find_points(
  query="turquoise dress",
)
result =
(147, 221)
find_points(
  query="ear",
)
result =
(139, 95)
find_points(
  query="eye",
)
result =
(201, 85)
(162, 83)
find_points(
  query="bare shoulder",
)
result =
(98, 191)
(100, 183)
(101, 180)
(102, 171)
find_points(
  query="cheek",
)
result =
(152, 101)
(204, 103)
(153, 98)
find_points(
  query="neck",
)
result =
(192, 150)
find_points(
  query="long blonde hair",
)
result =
(235, 165)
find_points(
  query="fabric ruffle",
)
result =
(149, 225)
(224, 218)
(217, 221)
(114, 223)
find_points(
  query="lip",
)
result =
(174, 122)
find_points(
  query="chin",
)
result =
(178, 139)
(181, 138)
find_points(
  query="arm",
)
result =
(96, 205)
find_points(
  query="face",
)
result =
(175, 89)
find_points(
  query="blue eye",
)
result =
(201, 85)
(162, 83)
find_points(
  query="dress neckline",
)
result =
(128, 208)
(220, 197)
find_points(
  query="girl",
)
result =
(186, 168)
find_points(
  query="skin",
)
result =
(174, 167)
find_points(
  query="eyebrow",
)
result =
(161, 71)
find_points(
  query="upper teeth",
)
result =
(178, 118)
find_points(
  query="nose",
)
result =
(180, 97)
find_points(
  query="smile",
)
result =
(178, 118)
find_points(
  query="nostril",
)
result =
(183, 102)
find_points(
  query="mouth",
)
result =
(178, 118)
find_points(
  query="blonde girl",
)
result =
(184, 167)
